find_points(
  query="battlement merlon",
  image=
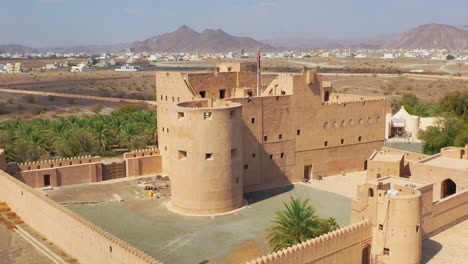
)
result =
(350, 98)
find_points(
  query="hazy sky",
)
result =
(40, 23)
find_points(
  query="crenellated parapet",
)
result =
(52, 163)
(348, 99)
(325, 247)
(142, 153)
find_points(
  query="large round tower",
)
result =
(204, 154)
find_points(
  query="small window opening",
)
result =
(166, 97)
(265, 138)
(208, 156)
(229, 69)
(222, 94)
(282, 154)
(110, 248)
(207, 115)
(202, 94)
(182, 154)
(386, 251)
(342, 141)
(237, 179)
(249, 93)
(233, 153)
(417, 228)
(252, 120)
(298, 132)
(271, 156)
(173, 99)
(359, 138)
(280, 136)
(380, 227)
(325, 143)
(326, 97)
(253, 155)
(371, 192)
(181, 115)
(246, 166)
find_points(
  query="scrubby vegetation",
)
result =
(450, 130)
(130, 127)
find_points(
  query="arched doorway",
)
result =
(366, 254)
(448, 188)
(462, 154)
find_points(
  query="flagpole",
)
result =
(258, 72)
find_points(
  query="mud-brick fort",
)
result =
(218, 139)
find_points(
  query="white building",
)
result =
(79, 68)
(127, 68)
(13, 68)
(406, 125)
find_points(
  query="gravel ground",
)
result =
(172, 238)
(15, 250)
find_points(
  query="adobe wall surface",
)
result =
(67, 171)
(396, 221)
(143, 162)
(204, 151)
(380, 168)
(345, 245)
(446, 213)
(428, 173)
(61, 176)
(78, 237)
(283, 133)
(3, 163)
(409, 156)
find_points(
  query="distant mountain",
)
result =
(186, 39)
(16, 48)
(432, 36)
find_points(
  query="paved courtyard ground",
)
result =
(413, 147)
(172, 238)
(447, 247)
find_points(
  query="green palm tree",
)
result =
(100, 134)
(295, 224)
(128, 134)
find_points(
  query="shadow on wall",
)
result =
(430, 248)
(261, 170)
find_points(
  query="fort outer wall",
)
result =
(205, 155)
(143, 162)
(75, 235)
(3, 163)
(58, 172)
(346, 245)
